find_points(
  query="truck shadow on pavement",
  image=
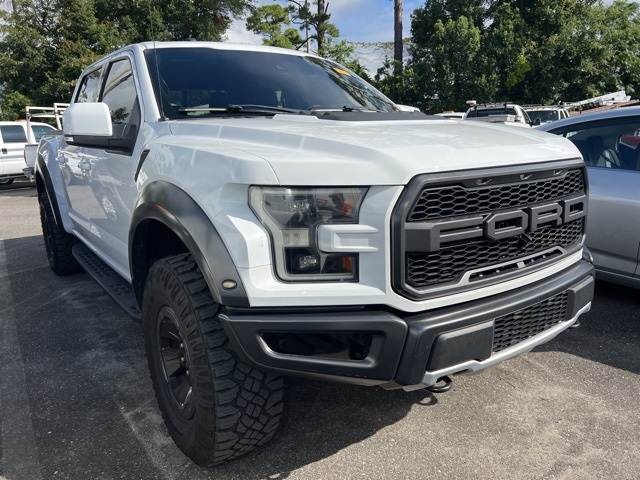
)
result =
(19, 187)
(320, 420)
(69, 321)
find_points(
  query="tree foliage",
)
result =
(273, 22)
(545, 51)
(269, 21)
(45, 44)
(542, 51)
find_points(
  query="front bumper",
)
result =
(413, 351)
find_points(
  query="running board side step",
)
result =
(116, 286)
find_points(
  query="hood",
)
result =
(306, 150)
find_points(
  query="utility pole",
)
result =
(306, 3)
(397, 50)
(320, 30)
(397, 31)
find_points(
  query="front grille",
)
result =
(476, 228)
(449, 264)
(518, 326)
(449, 201)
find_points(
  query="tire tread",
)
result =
(233, 418)
(58, 243)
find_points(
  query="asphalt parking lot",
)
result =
(76, 401)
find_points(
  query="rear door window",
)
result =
(13, 134)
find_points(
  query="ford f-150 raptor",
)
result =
(266, 212)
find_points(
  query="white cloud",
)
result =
(238, 33)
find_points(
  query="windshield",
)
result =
(545, 116)
(486, 112)
(205, 81)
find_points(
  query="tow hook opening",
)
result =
(576, 324)
(443, 385)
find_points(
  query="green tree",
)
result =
(523, 51)
(269, 21)
(45, 44)
(314, 22)
(507, 48)
(13, 106)
(599, 52)
(453, 70)
(272, 22)
(141, 20)
(423, 20)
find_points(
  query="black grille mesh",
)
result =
(448, 201)
(445, 267)
(448, 264)
(516, 327)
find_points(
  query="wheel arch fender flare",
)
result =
(168, 204)
(45, 184)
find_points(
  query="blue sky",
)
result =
(357, 20)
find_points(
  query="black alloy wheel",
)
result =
(175, 362)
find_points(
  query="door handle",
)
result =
(4, 151)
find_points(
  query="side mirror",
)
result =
(87, 119)
(537, 121)
(87, 124)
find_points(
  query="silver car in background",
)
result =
(610, 144)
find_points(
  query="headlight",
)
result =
(292, 216)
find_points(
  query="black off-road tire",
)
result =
(216, 407)
(57, 242)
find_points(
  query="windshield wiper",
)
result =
(358, 109)
(240, 109)
(263, 108)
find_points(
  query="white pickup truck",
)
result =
(266, 212)
(504, 113)
(53, 114)
(14, 136)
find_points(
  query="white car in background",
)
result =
(507, 113)
(13, 138)
(540, 114)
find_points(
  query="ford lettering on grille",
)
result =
(431, 236)
(450, 234)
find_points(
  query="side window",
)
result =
(13, 134)
(89, 87)
(40, 130)
(119, 93)
(611, 144)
